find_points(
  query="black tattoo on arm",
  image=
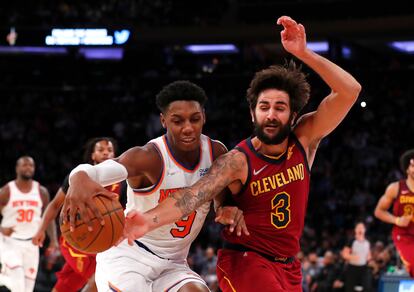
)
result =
(224, 171)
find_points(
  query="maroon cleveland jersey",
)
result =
(404, 205)
(273, 200)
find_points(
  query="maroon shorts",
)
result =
(77, 270)
(404, 245)
(246, 271)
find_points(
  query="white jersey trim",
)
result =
(152, 189)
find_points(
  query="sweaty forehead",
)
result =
(184, 107)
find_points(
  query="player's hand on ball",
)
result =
(79, 198)
(102, 236)
(136, 225)
(233, 217)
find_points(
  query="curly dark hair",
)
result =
(180, 90)
(90, 147)
(405, 160)
(289, 78)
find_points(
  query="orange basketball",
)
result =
(102, 237)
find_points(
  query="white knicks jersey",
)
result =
(173, 241)
(23, 211)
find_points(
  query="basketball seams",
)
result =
(110, 218)
(93, 240)
(104, 214)
(103, 236)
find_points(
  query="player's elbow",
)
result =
(377, 213)
(354, 90)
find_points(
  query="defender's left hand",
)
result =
(233, 217)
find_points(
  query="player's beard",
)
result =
(26, 176)
(281, 135)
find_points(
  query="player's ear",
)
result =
(162, 120)
(252, 115)
(204, 116)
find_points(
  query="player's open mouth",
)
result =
(271, 128)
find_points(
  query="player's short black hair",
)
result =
(288, 78)
(180, 90)
(405, 160)
(89, 147)
(24, 157)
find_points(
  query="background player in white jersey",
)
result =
(157, 262)
(21, 204)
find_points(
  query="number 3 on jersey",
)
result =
(183, 226)
(280, 215)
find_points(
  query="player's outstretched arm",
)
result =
(49, 215)
(51, 229)
(344, 88)
(87, 181)
(227, 169)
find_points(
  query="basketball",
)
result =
(102, 237)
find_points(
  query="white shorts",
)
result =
(133, 269)
(20, 254)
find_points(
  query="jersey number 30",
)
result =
(24, 215)
(183, 226)
(280, 215)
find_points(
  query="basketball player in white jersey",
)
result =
(157, 262)
(21, 204)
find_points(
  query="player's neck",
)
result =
(269, 150)
(186, 158)
(410, 183)
(23, 184)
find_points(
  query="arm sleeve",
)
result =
(105, 173)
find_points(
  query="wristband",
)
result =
(397, 221)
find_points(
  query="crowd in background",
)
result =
(184, 12)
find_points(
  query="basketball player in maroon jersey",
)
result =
(400, 194)
(267, 174)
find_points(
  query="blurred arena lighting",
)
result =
(212, 48)
(403, 46)
(346, 52)
(406, 286)
(121, 36)
(102, 53)
(363, 104)
(86, 37)
(319, 47)
(33, 50)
